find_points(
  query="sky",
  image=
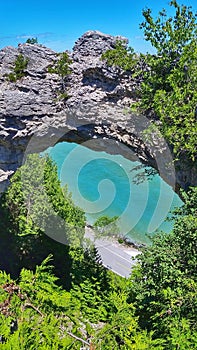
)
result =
(59, 23)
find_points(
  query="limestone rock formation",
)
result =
(94, 43)
(34, 116)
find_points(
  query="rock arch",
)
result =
(97, 114)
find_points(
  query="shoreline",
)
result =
(131, 247)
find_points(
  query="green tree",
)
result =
(37, 216)
(120, 56)
(104, 220)
(165, 282)
(62, 68)
(35, 312)
(169, 86)
(36, 196)
(167, 91)
(169, 36)
(60, 197)
(19, 70)
(32, 41)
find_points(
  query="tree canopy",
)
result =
(169, 86)
(62, 297)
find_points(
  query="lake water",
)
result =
(103, 184)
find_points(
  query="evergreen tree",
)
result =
(37, 216)
(32, 41)
(19, 70)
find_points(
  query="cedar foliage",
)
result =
(62, 68)
(154, 309)
(32, 41)
(19, 70)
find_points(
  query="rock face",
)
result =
(33, 115)
(94, 43)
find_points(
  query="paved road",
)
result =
(115, 256)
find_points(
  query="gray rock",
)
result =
(94, 43)
(34, 117)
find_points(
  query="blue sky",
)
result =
(57, 24)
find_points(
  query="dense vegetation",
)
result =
(59, 296)
(168, 91)
(54, 291)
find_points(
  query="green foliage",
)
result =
(63, 96)
(177, 108)
(170, 85)
(37, 214)
(38, 308)
(120, 56)
(107, 226)
(155, 309)
(104, 221)
(60, 198)
(90, 291)
(37, 314)
(35, 198)
(20, 66)
(165, 282)
(169, 36)
(32, 41)
(63, 65)
(62, 68)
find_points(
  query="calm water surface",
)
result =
(103, 184)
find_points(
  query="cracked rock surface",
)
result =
(34, 116)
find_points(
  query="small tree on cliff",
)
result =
(32, 41)
(20, 66)
(62, 68)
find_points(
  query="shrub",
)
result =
(20, 65)
(32, 41)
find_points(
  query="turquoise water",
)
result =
(103, 184)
